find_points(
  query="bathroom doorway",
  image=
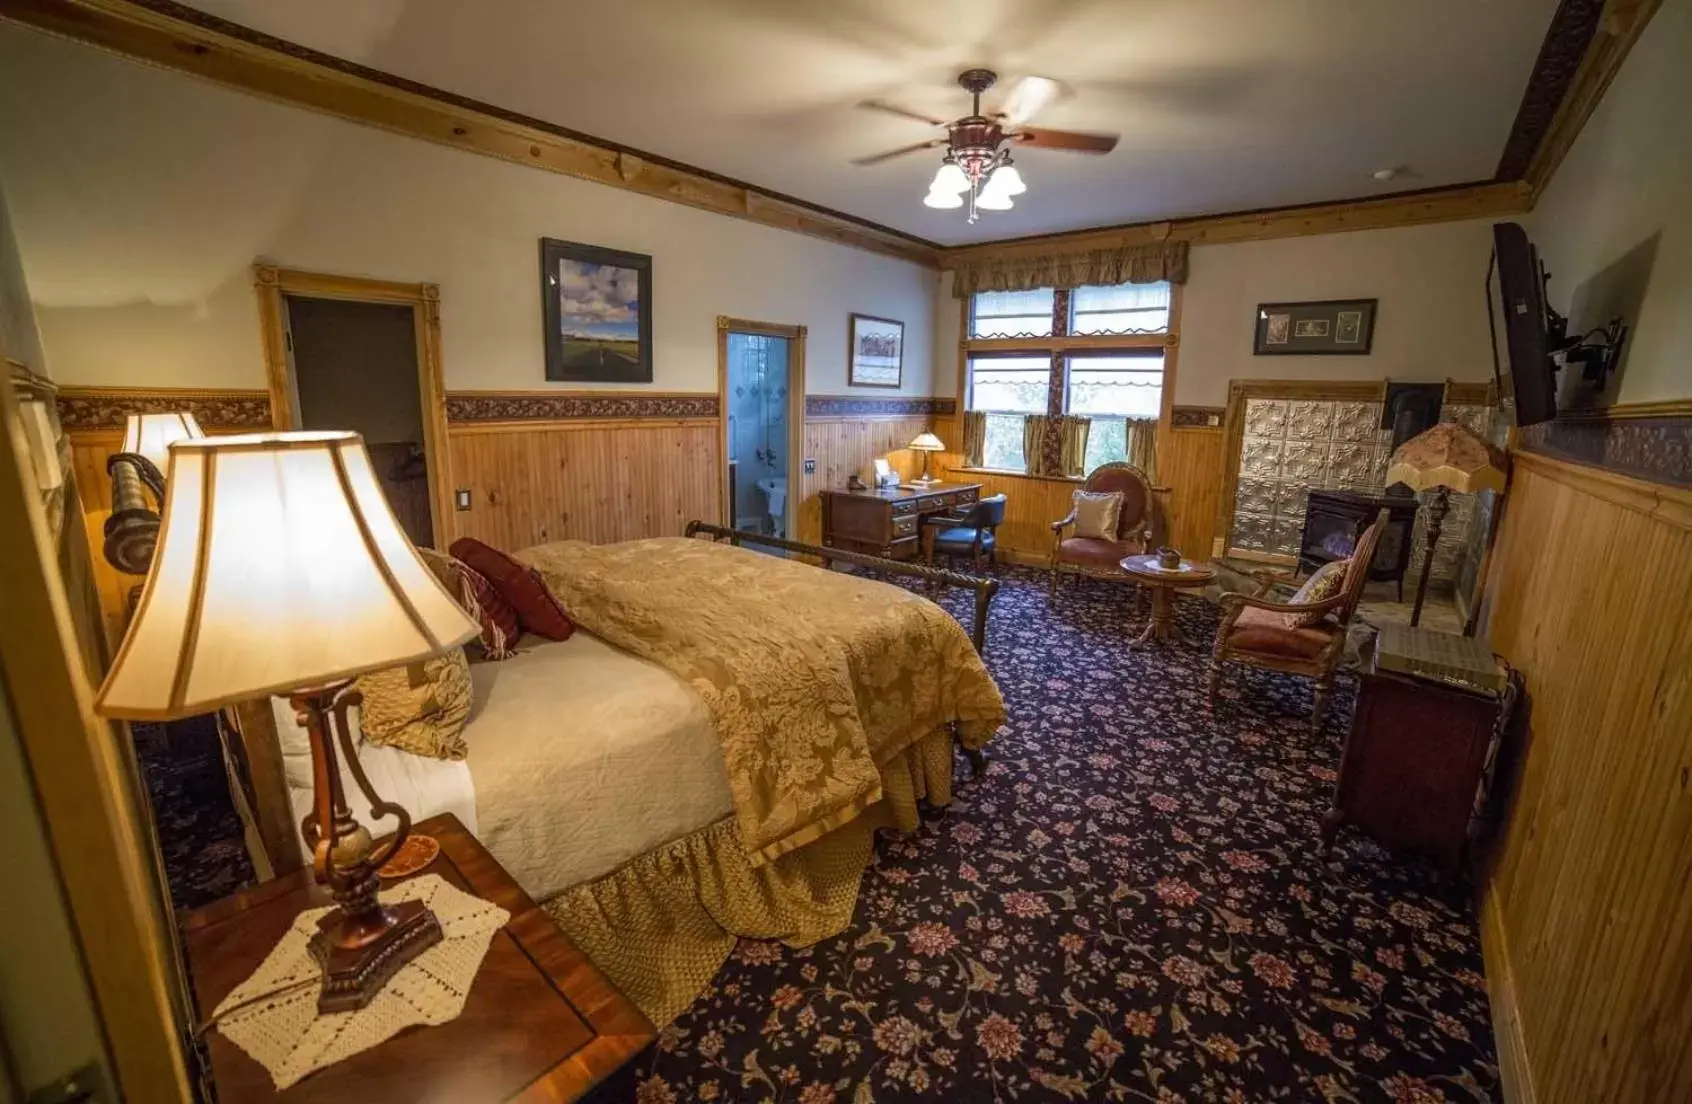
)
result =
(761, 388)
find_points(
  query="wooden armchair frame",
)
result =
(1128, 530)
(1320, 667)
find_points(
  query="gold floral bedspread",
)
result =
(814, 679)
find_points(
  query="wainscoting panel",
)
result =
(842, 446)
(1190, 465)
(594, 481)
(1591, 598)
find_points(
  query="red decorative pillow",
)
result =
(538, 609)
(478, 598)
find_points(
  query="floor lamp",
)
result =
(281, 570)
(1443, 459)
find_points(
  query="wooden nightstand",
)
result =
(541, 1023)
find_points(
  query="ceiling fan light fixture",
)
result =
(993, 200)
(950, 179)
(943, 200)
(1006, 180)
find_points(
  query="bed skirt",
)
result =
(662, 924)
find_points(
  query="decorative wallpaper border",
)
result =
(105, 408)
(1198, 417)
(559, 406)
(1658, 449)
(851, 406)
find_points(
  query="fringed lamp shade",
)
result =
(151, 435)
(1448, 456)
(1443, 459)
(280, 566)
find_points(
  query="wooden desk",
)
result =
(888, 523)
(541, 1023)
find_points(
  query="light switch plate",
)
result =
(810, 465)
(461, 498)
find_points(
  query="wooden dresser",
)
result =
(888, 522)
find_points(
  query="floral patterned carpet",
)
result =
(1132, 905)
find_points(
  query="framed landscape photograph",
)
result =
(1327, 327)
(597, 306)
(876, 357)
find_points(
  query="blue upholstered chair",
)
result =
(971, 533)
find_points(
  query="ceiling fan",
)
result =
(978, 161)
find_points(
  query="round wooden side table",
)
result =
(1164, 582)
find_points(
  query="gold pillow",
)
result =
(1325, 583)
(418, 707)
(1096, 514)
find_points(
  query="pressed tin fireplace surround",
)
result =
(1290, 445)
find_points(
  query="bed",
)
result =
(708, 757)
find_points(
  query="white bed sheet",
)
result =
(582, 757)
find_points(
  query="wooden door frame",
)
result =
(272, 283)
(795, 413)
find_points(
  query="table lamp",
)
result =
(1443, 459)
(282, 570)
(926, 443)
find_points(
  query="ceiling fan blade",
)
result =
(878, 158)
(1075, 141)
(903, 113)
(1028, 98)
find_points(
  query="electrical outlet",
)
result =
(810, 465)
(461, 498)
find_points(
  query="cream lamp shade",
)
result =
(151, 435)
(927, 442)
(280, 566)
(1450, 456)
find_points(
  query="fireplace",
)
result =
(1334, 520)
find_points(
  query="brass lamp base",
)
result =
(354, 972)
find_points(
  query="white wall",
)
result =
(18, 338)
(1614, 226)
(141, 198)
(1430, 324)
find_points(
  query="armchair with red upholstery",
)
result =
(1093, 555)
(1254, 630)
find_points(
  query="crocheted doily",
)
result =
(286, 1035)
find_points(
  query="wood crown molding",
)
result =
(175, 36)
(1618, 27)
(1464, 201)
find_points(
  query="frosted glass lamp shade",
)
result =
(991, 199)
(950, 179)
(1006, 181)
(926, 442)
(151, 435)
(944, 201)
(280, 566)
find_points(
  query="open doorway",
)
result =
(761, 387)
(364, 355)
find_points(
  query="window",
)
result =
(1007, 389)
(1123, 309)
(1110, 388)
(1012, 313)
(1107, 344)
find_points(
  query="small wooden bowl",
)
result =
(414, 854)
(1169, 559)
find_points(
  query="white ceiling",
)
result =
(1222, 105)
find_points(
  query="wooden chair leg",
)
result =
(1053, 596)
(1324, 690)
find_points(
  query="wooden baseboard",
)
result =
(1515, 1075)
